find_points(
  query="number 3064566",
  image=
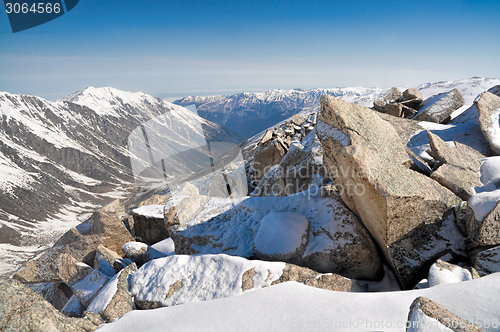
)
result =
(36, 8)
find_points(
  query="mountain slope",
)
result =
(59, 160)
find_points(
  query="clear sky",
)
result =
(177, 48)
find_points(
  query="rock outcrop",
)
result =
(488, 107)
(368, 157)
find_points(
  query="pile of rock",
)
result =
(410, 104)
(276, 142)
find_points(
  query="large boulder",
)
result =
(77, 245)
(149, 223)
(282, 236)
(366, 157)
(460, 165)
(21, 309)
(267, 157)
(441, 110)
(488, 107)
(428, 316)
(337, 241)
(181, 279)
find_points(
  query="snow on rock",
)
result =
(488, 261)
(442, 272)
(294, 307)
(150, 211)
(166, 247)
(282, 235)
(487, 196)
(140, 253)
(338, 242)
(88, 287)
(102, 300)
(181, 279)
(420, 322)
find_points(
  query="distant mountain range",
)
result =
(251, 113)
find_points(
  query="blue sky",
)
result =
(176, 48)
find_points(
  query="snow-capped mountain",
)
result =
(251, 113)
(59, 160)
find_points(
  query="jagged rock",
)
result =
(441, 110)
(105, 261)
(337, 243)
(141, 253)
(114, 299)
(268, 136)
(442, 272)
(296, 171)
(408, 112)
(87, 283)
(181, 279)
(487, 261)
(21, 309)
(390, 199)
(424, 313)
(282, 236)
(393, 95)
(47, 290)
(495, 90)
(488, 107)
(298, 120)
(484, 232)
(394, 109)
(411, 98)
(80, 243)
(460, 166)
(418, 164)
(267, 157)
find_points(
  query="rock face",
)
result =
(21, 309)
(78, 244)
(367, 157)
(424, 313)
(488, 107)
(337, 242)
(488, 261)
(460, 166)
(440, 111)
(282, 236)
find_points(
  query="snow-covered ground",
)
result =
(294, 307)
